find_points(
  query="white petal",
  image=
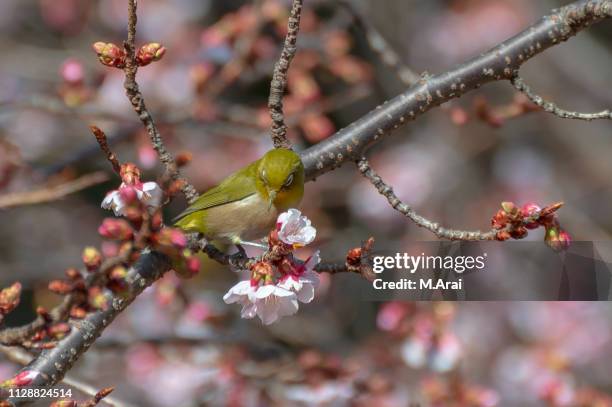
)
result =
(249, 310)
(306, 294)
(290, 283)
(312, 261)
(267, 310)
(288, 306)
(281, 292)
(152, 194)
(310, 277)
(238, 292)
(113, 201)
(264, 291)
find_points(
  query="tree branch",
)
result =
(346, 145)
(550, 107)
(136, 99)
(434, 227)
(279, 78)
(500, 63)
(52, 364)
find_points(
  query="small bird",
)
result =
(244, 206)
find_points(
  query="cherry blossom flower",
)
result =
(242, 293)
(149, 193)
(273, 302)
(295, 229)
(304, 282)
(269, 302)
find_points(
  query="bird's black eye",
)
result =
(288, 181)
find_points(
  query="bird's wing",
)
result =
(234, 188)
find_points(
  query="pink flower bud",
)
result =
(22, 378)
(72, 71)
(91, 258)
(565, 240)
(531, 213)
(557, 239)
(128, 195)
(150, 52)
(110, 54)
(116, 229)
(60, 330)
(193, 265)
(170, 237)
(458, 116)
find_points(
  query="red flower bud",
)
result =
(61, 287)
(22, 378)
(531, 213)
(91, 258)
(73, 274)
(128, 194)
(518, 232)
(353, 256)
(193, 264)
(502, 235)
(78, 313)
(150, 52)
(171, 238)
(110, 54)
(557, 239)
(134, 215)
(116, 229)
(500, 220)
(58, 331)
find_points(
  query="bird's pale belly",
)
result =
(249, 219)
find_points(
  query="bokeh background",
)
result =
(179, 344)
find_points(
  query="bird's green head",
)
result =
(281, 177)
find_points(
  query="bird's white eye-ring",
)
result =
(288, 181)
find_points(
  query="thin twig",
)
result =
(103, 142)
(279, 78)
(49, 194)
(550, 107)
(500, 63)
(15, 336)
(136, 99)
(348, 145)
(434, 227)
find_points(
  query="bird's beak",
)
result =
(272, 197)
